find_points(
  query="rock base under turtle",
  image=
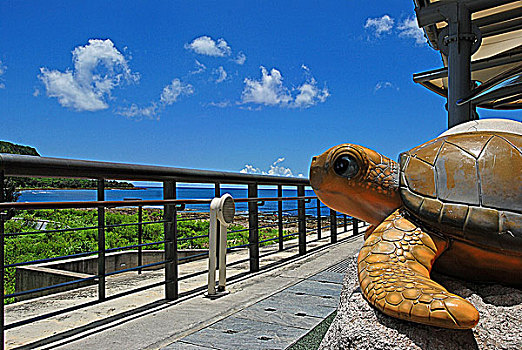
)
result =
(359, 326)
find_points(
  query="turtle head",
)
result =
(356, 181)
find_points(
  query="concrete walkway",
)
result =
(267, 310)
(275, 322)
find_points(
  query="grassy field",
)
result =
(47, 245)
(313, 339)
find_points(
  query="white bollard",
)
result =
(222, 212)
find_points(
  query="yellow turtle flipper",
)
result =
(394, 272)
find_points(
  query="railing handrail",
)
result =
(34, 166)
(132, 203)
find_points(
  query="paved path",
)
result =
(269, 309)
(275, 322)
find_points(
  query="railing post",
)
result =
(253, 229)
(301, 218)
(217, 194)
(344, 223)
(101, 240)
(355, 226)
(333, 226)
(140, 237)
(280, 216)
(2, 244)
(171, 243)
(318, 219)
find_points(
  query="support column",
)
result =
(101, 240)
(171, 245)
(253, 229)
(2, 247)
(459, 42)
(301, 217)
(280, 217)
(319, 218)
(333, 226)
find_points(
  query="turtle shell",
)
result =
(467, 185)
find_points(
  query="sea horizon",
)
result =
(183, 192)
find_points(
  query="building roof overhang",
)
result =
(496, 66)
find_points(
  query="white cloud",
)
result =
(384, 85)
(410, 29)
(221, 74)
(205, 45)
(380, 25)
(2, 71)
(270, 91)
(36, 92)
(267, 91)
(98, 68)
(407, 28)
(172, 91)
(309, 94)
(169, 95)
(240, 59)
(250, 169)
(279, 170)
(135, 112)
(275, 169)
(200, 68)
(221, 104)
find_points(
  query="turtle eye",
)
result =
(346, 166)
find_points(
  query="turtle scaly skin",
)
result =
(394, 272)
(454, 204)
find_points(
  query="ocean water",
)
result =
(151, 193)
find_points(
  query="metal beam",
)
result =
(32, 166)
(503, 92)
(499, 78)
(475, 66)
(501, 28)
(498, 17)
(506, 101)
(432, 87)
(443, 10)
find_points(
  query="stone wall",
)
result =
(57, 272)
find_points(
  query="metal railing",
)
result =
(307, 219)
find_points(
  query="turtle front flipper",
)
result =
(394, 272)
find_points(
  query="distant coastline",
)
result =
(77, 188)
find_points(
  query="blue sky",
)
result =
(215, 85)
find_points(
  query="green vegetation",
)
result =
(312, 339)
(47, 245)
(10, 194)
(13, 148)
(54, 183)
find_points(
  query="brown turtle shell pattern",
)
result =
(468, 186)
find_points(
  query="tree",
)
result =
(9, 195)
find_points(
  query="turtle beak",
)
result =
(317, 172)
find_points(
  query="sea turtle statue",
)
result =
(453, 204)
